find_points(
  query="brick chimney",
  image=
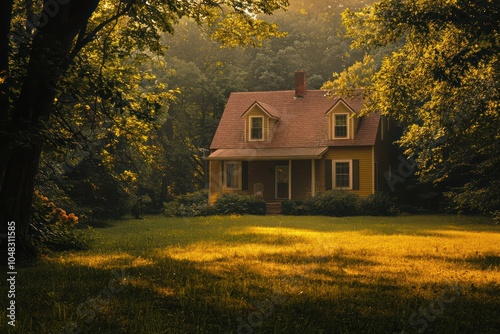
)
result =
(300, 84)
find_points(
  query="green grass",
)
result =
(270, 274)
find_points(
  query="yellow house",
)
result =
(295, 144)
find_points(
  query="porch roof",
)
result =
(281, 153)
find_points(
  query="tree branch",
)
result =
(82, 41)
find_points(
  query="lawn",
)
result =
(269, 274)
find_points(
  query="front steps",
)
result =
(273, 208)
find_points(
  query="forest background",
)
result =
(101, 169)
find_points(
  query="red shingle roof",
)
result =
(302, 121)
(268, 153)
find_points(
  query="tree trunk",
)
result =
(5, 19)
(22, 141)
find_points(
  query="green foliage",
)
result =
(378, 204)
(335, 202)
(189, 205)
(293, 208)
(341, 203)
(51, 228)
(441, 81)
(196, 204)
(230, 203)
(289, 207)
(496, 217)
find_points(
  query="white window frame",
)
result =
(334, 121)
(239, 171)
(250, 129)
(334, 174)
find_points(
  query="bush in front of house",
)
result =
(230, 203)
(378, 204)
(341, 203)
(336, 202)
(188, 205)
(289, 207)
(293, 208)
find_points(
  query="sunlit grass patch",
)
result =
(104, 261)
(312, 274)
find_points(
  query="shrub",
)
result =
(230, 203)
(188, 205)
(293, 208)
(378, 204)
(51, 228)
(496, 217)
(289, 207)
(333, 203)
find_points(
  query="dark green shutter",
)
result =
(328, 174)
(244, 175)
(355, 175)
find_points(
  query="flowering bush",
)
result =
(53, 228)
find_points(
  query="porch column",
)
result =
(289, 179)
(313, 177)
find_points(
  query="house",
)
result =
(298, 143)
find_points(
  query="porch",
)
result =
(272, 180)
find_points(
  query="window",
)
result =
(340, 126)
(256, 127)
(342, 174)
(233, 175)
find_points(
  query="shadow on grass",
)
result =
(335, 259)
(486, 262)
(176, 296)
(479, 262)
(315, 294)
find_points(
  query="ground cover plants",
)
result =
(269, 274)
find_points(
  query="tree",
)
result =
(43, 49)
(442, 83)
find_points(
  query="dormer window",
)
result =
(256, 128)
(342, 121)
(260, 119)
(340, 126)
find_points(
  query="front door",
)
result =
(282, 180)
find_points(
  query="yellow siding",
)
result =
(363, 154)
(320, 176)
(215, 181)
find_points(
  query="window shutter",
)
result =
(328, 174)
(244, 175)
(355, 174)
